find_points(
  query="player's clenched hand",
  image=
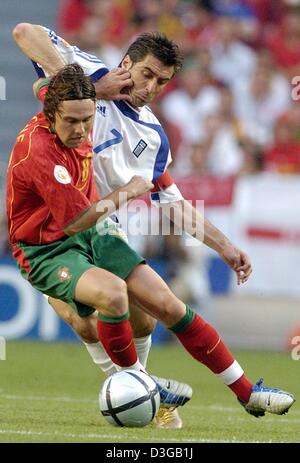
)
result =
(238, 260)
(114, 85)
(138, 186)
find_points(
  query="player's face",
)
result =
(149, 77)
(73, 121)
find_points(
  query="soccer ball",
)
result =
(129, 398)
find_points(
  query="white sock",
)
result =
(231, 374)
(143, 346)
(100, 357)
(136, 366)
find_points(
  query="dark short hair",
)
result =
(158, 45)
(70, 83)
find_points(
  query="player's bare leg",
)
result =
(86, 328)
(143, 325)
(107, 294)
(203, 342)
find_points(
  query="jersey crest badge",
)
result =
(62, 175)
(140, 147)
(64, 274)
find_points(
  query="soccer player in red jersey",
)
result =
(52, 208)
(50, 195)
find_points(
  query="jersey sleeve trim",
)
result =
(169, 195)
(97, 75)
(38, 69)
(163, 182)
(41, 90)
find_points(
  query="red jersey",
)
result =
(48, 184)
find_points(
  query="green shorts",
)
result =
(55, 268)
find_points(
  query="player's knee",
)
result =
(116, 300)
(119, 300)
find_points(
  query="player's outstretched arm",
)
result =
(189, 219)
(35, 43)
(108, 205)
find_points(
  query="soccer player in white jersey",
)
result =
(128, 140)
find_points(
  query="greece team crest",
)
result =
(140, 147)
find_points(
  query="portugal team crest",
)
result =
(64, 274)
(61, 174)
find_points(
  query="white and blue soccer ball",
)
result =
(129, 398)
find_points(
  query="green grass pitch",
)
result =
(49, 393)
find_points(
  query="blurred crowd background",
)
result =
(232, 114)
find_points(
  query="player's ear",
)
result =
(126, 63)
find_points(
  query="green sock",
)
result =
(119, 319)
(186, 320)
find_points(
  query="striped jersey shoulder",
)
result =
(91, 64)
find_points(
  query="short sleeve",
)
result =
(91, 64)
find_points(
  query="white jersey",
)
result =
(126, 141)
